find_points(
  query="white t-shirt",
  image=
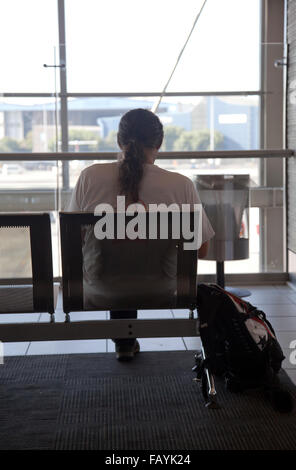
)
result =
(98, 184)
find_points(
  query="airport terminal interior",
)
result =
(220, 75)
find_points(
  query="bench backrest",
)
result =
(36, 293)
(123, 274)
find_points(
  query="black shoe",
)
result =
(126, 353)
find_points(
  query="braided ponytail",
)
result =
(138, 129)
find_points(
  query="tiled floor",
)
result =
(278, 302)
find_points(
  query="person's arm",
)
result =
(207, 230)
(203, 251)
(75, 203)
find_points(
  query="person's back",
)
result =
(139, 180)
(100, 183)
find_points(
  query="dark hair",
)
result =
(138, 129)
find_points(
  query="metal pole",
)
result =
(63, 94)
(220, 274)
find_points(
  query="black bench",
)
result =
(126, 269)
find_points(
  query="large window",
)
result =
(106, 57)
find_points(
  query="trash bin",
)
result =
(225, 199)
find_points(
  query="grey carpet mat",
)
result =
(92, 402)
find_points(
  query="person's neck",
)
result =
(150, 161)
(150, 157)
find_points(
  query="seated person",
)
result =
(136, 177)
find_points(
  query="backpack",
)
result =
(240, 344)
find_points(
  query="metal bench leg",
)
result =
(207, 380)
(208, 386)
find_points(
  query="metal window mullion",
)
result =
(271, 239)
(68, 156)
(131, 94)
(285, 172)
(262, 120)
(63, 92)
(167, 94)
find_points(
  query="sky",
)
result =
(131, 45)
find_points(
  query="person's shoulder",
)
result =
(173, 175)
(98, 169)
(179, 180)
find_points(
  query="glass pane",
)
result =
(221, 123)
(32, 186)
(28, 124)
(28, 35)
(191, 123)
(224, 50)
(134, 45)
